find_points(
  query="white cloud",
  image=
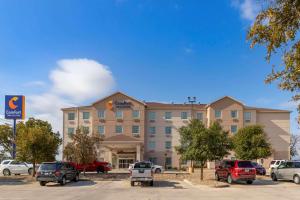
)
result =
(72, 82)
(81, 79)
(248, 8)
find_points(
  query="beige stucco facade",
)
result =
(134, 130)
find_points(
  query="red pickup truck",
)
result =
(95, 166)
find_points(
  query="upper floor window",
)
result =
(168, 115)
(85, 115)
(152, 116)
(71, 116)
(101, 130)
(200, 116)
(233, 129)
(184, 115)
(168, 145)
(86, 129)
(152, 130)
(247, 116)
(101, 114)
(135, 129)
(70, 132)
(152, 145)
(136, 114)
(119, 114)
(119, 129)
(218, 114)
(168, 130)
(234, 114)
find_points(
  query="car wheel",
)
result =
(132, 183)
(249, 182)
(6, 172)
(217, 178)
(30, 171)
(63, 181)
(76, 179)
(296, 179)
(229, 179)
(151, 183)
(42, 183)
(158, 171)
(273, 176)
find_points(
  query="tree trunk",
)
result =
(192, 165)
(84, 169)
(33, 170)
(201, 173)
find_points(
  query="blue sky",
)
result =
(152, 50)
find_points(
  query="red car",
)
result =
(235, 170)
(95, 166)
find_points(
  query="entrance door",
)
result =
(124, 163)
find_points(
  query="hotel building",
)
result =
(137, 130)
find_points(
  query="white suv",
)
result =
(274, 164)
(9, 167)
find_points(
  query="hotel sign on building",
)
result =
(134, 130)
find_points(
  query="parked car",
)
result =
(141, 172)
(274, 164)
(260, 170)
(58, 172)
(9, 167)
(155, 168)
(288, 170)
(235, 170)
(95, 166)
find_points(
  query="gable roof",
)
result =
(118, 92)
(220, 99)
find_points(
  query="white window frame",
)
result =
(104, 114)
(152, 114)
(236, 129)
(119, 117)
(89, 114)
(138, 116)
(187, 115)
(69, 116)
(237, 114)
(103, 133)
(121, 129)
(132, 128)
(220, 114)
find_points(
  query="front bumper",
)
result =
(48, 179)
(141, 179)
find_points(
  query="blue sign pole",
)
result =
(14, 139)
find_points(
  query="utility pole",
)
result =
(192, 100)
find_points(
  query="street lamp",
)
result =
(192, 100)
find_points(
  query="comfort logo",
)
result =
(11, 103)
(109, 105)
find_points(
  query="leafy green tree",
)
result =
(203, 144)
(82, 149)
(250, 143)
(36, 142)
(277, 28)
(6, 139)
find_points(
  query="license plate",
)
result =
(247, 170)
(141, 171)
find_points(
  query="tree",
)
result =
(250, 143)
(82, 149)
(295, 140)
(36, 142)
(201, 144)
(276, 27)
(6, 139)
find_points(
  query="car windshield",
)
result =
(48, 166)
(142, 165)
(272, 162)
(243, 164)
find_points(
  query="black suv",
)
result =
(58, 172)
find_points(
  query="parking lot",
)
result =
(121, 189)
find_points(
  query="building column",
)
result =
(138, 152)
(110, 156)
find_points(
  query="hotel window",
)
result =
(168, 161)
(119, 129)
(200, 116)
(119, 114)
(86, 129)
(101, 130)
(184, 115)
(70, 132)
(168, 145)
(153, 160)
(135, 130)
(168, 130)
(152, 145)
(218, 114)
(101, 114)
(168, 115)
(152, 116)
(85, 115)
(135, 114)
(233, 129)
(247, 116)
(152, 130)
(234, 114)
(71, 116)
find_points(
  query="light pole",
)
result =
(192, 100)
